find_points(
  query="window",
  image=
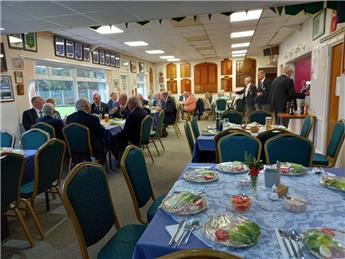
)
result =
(141, 84)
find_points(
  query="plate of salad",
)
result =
(325, 243)
(185, 203)
(292, 169)
(235, 167)
(201, 175)
(232, 230)
(333, 182)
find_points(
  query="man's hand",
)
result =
(259, 94)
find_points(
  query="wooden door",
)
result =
(226, 67)
(171, 71)
(185, 70)
(245, 68)
(227, 84)
(205, 78)
(186, 85)
(333, 101)
(172, 86)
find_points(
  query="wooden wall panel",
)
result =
(185, 70)
(227, 84)
(151, 76)
(245, 68)
(171, 71)
(186, 85)
(172, 86)
(205, 78)
(226, 67)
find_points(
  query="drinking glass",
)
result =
(268, 121)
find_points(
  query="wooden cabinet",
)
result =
(245, 68)
(151, 75)
(226, 67)
(186, 85)
(171, 71)
(172, 86)
(185, 70)
(227, 84)
(205, 78)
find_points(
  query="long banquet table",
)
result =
(325, 208)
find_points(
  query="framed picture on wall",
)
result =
(18, 77)
(30, 41)
(69, 49)
(133, 66)
(15, 41)
(141, 68)
(59, 45)
(6, 89)
(3, 67)
(86, 53)
(101, 57)
(112, 60)
(78, 51)
(107, 59)
(319, 25)
(124, 65)
(95, 56)
(118, 61)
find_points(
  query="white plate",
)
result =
(184, 203)
(324, 178)
(232, 167)
(198, 175)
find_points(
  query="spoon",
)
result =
(194, 226)
(295, 236)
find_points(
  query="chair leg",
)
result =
(150, 153)
(47, 201)
(159, 138)
(25, 227)
(70, 164)
(58, 192)
(178, 128)
(155, 146)
(34, 217)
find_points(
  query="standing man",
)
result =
(249, 92)
(30, 116)
(283, 91)
(99, 107)
(182, 98)
(264, 89)
(170, 111)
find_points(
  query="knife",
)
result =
(284, 241)
(180, 225)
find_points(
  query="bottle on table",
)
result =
(106, 117)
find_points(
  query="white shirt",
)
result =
(247, 89)
(39, 113)
(262, 81)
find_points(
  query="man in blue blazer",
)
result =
(49, 117)
(99, 107)
(30, 116)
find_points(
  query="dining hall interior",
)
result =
(172, 129)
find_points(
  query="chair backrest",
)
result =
(34, 138)
(87, 199)
(200, 253)
(12, 166)
(266, 135)
(336, 140)
(221, 104)
(134, 169)
(288, 147)
(189, 136)
(78, 139)
(7, 139)
(145, 130)
(178, 108)
(160, 121)
(307, 126)
(259, 117)
(233, 116)
(46, 127)
(195, 127)
(233, 146)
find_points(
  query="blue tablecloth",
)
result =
(29, 165)
(111, 130)
(326, 208)
(203, 145)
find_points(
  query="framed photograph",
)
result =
(133, 66)
(17, 63)
(141, 68)
(59, 45)
(319, 25)
(69, 49)
(15, 41)
(78, 51)
(3, 67)
(112, 60)
(118, 61)
(18, 77)
(95, 56)
(6, 89)
(107, 59)
(124, 82)
(30, 41)
(101, 57)
(116, 85)
(86, 53)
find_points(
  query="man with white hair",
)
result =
(98, 107)
(283, 91)
(249, 92)
(48, 110)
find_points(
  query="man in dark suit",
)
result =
(97, 131)
(183, 97)
(131, 131)
(283, 91)
(143, 101)
(49, 117)
(169, 109)
(122, 110)
(99, 107)
(30, 116)
(263, 93)
(249, 92)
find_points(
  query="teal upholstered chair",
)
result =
(135, 172)
(259, 117)
(88, 203)
(7, 139)
(232, 146)
(195, 127)
(307, 126)
(158, 133)
(266, 135)
(145, 134)
(12, 166)
(34, 138)
(46, 127)
(189, 136)
(289, 147)
(220, 106)
(333, 147)
(233, 116)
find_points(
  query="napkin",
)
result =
(171, 229)
(282, 246)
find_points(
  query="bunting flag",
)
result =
(178, 19)
(280, 10)
(160, 21)
(227, 13)
(195, 17)
(143, 22)
(209, 16)
(273, 9)
(126, 24)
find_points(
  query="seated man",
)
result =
(122, 110)
(57, 114)
(131, 131)
(30, 116)
(97, 131)
(157, 99)
(190, 104)
(49, 117)
(113, 102)
(207, 102)
(98, 107)
(142, 100)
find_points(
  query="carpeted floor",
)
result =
(61, 241)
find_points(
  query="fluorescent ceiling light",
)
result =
(173, 59)
(1, 55)
(154, 51)
(2, 29)
(136, 43)
(59, 43)
(245, 16)
(125, 63)
(238, 55)
(166, 57)
(242, 51)
(107, 29)
(14, 39)
(240, 45)
(240, 34)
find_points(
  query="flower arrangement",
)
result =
(254, 168)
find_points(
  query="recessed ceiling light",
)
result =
(166, 57)
(136, 43)
(107, 29)
(13, 39)
(245, 16)
(173, 59)
(240, 34)
(238, 55)
(2, 29)
(154, 51)
(240, 45)
(242, 51)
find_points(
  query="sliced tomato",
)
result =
(199, 203)
(328, 232)
(222, 235)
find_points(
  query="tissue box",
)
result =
(282, 190)
(297, 205)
